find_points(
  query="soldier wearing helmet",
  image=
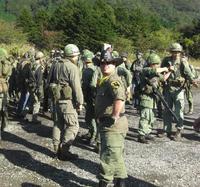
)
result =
(36, 91)
(5, 72)
(113, 125)
(65, 86)
(136, 69)
(174, 89)
(89, 96)
(147, 99)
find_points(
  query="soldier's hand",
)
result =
(171, 68)
(195, 84)
(79, 108)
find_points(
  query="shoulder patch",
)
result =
(115, 84)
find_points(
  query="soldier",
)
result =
(136, 69)
(188, 90)
(112, 124)
(125, 75)
(89, 96)
(124, 56)
(66, 89)
(174, 89)
(36, 92)
(25, 80)
(5, 72)
(147, 100)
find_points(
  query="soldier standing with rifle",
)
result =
(66, 89)
(150, 80)
(174, 89)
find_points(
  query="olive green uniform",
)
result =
(188, 90)
(112, 133)
(89, 97)
(5, 72)
(174, 90)
(68, 95)
(148, 100)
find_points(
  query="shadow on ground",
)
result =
(59, 176)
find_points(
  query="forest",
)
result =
(129, 25)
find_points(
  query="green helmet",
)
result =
(88, 56)
(115, 54)
(124, 54)
(175, 47)
(153, 59)
(39, 55)
(71, 50)
(3, 53)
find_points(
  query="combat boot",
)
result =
(104, 184)
(149, 137)
(120, 182)
(177, 136)
(190, 112)
(64, 154)
(142, 139)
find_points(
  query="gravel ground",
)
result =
(27, 160)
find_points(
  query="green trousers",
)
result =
(111, 153)
(90, 120)
(174, 99)
(66, 125)
(189, 97)
(146, 121)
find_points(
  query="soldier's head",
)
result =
(72, 52)
(3, 53)
(108, 62)
(52, 53)
(115, 54)
(39, 55)
(154, 60)
(124, 56)
(175, 49)
(138, 55)
(31, 52)
(87, 57)
(40, 58)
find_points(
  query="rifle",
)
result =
(156, 92)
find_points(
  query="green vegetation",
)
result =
(128, 24)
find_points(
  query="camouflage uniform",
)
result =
(112, 131)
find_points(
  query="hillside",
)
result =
(172, 12)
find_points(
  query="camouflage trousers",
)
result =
(65, 126)
(112, 163)
(174, 99)
(146, 122)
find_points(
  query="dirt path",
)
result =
(26, 157)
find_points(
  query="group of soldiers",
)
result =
(103, 83)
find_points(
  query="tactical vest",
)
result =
(59, 90)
